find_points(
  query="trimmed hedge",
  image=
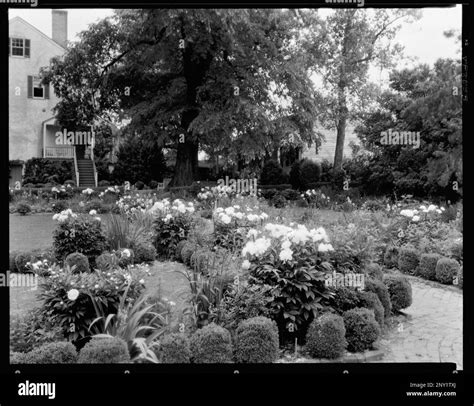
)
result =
(374, 270)
(370, 300)
(325, 337)
(427, 267)
(400, 291)
(211, 344)
(51, 353)
(344, 299)
(408, 260)
(78, 262)
(257, 341)
(390, 258)
(381, 290)
(174, 349)
(104, 351)
(362, 330)
(446, 270)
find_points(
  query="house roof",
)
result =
(36, 29)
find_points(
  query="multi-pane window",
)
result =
(36, 90)
(20, 47)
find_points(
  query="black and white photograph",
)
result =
(236, 186)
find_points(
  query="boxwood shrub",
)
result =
(381, 290)
(77, 262)
(408, 260)
(211, 344)
(427, 267)
(370, 300)
(174, 349)
(104, 351)
(390, 258)
(362, 330)
(400, 291)
(51, 353)
(256, 341)
(325, 337)
(446, 270)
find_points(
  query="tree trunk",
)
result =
(186, 167)
(341, 135)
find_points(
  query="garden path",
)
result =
(432, 328)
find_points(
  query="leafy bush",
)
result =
(278, 201)
(326, 337)
(174, 349)
(23, 209)
(68, 298)
(40, 170)
(82, 233)
(59, 206)
(104, 351)
(51, 353)
(105, 261)
(446, 270)
(153, 184)
(211, 344)
(32, 330)
(408, 260)
(78, 262)
(400, 291)
(290, 194)
(272, 174)
(187, 252)
(427, 266)
(244, 303)
(374, 270)
(370, 300)
(268, 194)
(381, 290)
(144, 252)
(295, 175)
(256, 341)
(344, 299)
(374, 205)
(179, 248)
(310, 172)
(391, 257)
(362, 330)
(21, 260)
(103, 182)
(139, 185)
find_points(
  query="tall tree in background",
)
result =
(230, 79)
(352, 40)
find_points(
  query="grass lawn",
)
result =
(31, 232)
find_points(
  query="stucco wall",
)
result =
(26, 115)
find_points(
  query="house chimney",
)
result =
(60, 27)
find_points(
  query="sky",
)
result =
(423, 40)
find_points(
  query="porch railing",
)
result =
(59, 152)
(75, 166)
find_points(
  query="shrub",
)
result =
(302, 203)
(427, 266)
(21, 260)
(139, 185)
(256, 341)
(83, 234)
(59, 206)
(278, 201)
(391, 257)
(362, 330)
(344, 299)
(11, 261)
(290, 194)
(40, 170)
(326, 337)
(102, 183)
(23, 209)
(268, 194)
(17, 358)
(211, 344)
(295, 175)
(272, 174)
(153, 184)
(31, 330)
(186, 252)
(63, 304)
(52, 353)
(179, 248)
(174, 349)
(78, 262)
(381, 290)
(144, 252)
(408, 260)
(310, 172)
(374, 270)
(105, 261)
(400, 291)
(460, 278)
(446, 270)
(370, 300)
(104, 351)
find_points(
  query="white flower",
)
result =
(97, 218)
(93, 212)
(126, 253)
(246, 264)
(416, 218)
(171, 303)
(286, 245)
(286, 255)
(432, 207)
(96, 286)
(142, 281)
(325, 247)
(225, 218)
(73, 294)
(252, 233)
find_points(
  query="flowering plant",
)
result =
(131, 204)
(292, 260)
(317, 199)
(67, 297)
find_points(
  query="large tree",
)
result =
(234, 80)
(350, 41)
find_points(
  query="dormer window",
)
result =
(19, 47)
